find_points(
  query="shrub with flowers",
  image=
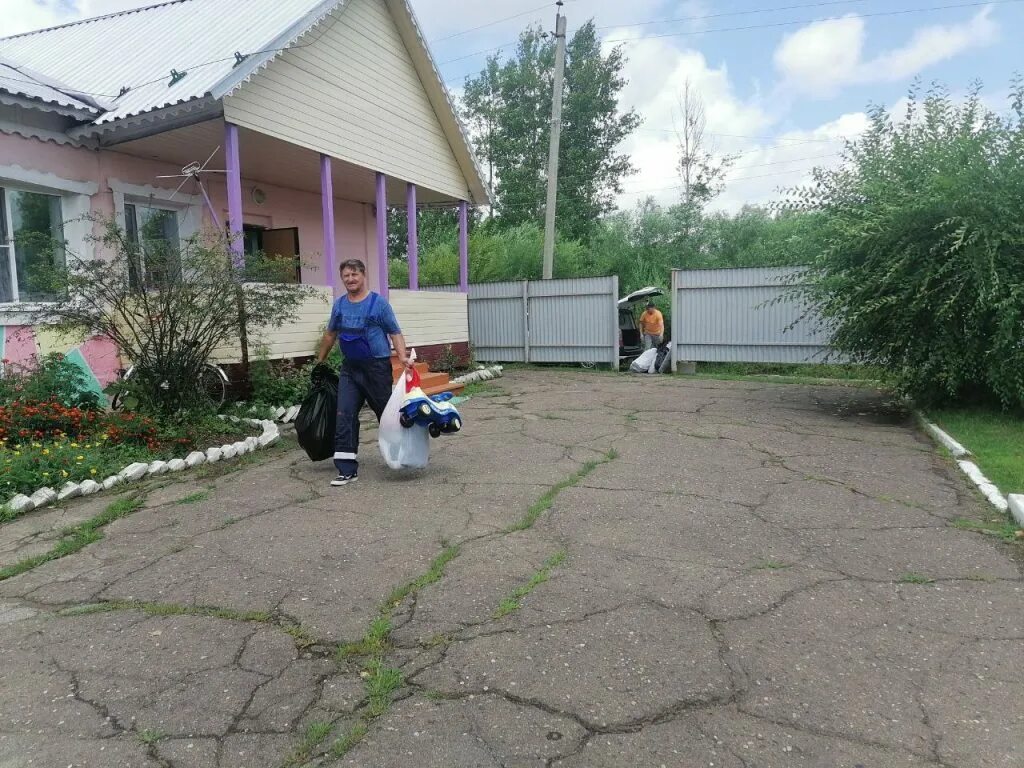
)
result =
(53, 432)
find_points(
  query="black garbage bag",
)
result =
(662, 361)
(315, 423)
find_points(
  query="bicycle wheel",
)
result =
(213, 384)
(117, 399)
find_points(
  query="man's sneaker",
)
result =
(344, 479)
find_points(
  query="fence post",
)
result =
(526, 321)
(615, 322)
(674, 348)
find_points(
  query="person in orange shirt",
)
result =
(652, 326)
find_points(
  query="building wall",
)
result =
(353, 93)
(99, 182)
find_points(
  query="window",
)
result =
(155, 231)
(31, 239)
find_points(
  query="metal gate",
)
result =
(573, 320)
(744, 315)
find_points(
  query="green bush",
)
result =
(283, 383)
(921, 272)
(51, 377)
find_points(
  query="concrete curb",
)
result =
(138, 471)
(1016, 503)
(973, 471)
(945, 439)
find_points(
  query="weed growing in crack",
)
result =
(545, 502)
(433, 574)
(381, 682)
(311, 739)
(77, 537)
(374, 643)
(914, 578)
(771, 565)
(228, 522)
(169, 609)
(514, 601)
(194, 498)
(150, 737)
(341, 747)
(302, 637)
(434, 695)
(1003, 527)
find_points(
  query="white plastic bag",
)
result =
(645, 363)
(402, 448)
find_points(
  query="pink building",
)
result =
(318, 114)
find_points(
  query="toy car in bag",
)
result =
(435, 413)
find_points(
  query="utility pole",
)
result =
(556, 131)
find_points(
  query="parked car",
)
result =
(630, 343)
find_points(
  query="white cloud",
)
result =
(823, 57)
(18, 16)
(931, 45)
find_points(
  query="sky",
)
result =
(783, 81)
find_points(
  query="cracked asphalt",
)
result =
(755, 575)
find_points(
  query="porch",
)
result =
(293, 203)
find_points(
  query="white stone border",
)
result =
(138, 471)
(482, 374)
(988, 489)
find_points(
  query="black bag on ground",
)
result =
(315, 423)
(659, 361)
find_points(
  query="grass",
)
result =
(513, 602)
(374, 642)
(341, 747)
(433, 574)
(995, 438)
(999, 525)
(483, 389)
(816, 371)
(169, 609)
(545, 502)
(381, 683)
(150, 737)
(914, 578)
(194, 498)
(311, 739)
(77, 537)
(770, 565)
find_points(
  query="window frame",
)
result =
(149, 204)
(75, 202)
(7, 237)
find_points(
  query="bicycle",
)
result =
(213, 384)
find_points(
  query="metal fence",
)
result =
(743, 315)
(545, 321)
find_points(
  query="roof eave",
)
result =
(152, 122)
(40, 105)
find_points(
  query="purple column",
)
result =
(382, 234)
(234, 181)
(327, 203)
(414, 246)
(464, 246)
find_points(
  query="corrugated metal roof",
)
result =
(137, 49)
(20, 82)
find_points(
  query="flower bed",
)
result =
(44, 443)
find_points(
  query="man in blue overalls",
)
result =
(361, 321)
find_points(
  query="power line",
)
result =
(772, 25)
(749, 12)
(501, 21)
(812, 21)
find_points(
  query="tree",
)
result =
(921, 269)
(701, 174)
(508, 108)
(170, 317)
